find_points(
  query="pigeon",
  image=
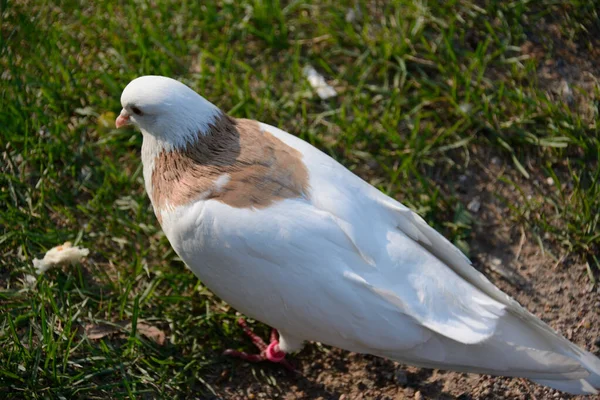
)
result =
(289, 237)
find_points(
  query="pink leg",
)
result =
(268, 352)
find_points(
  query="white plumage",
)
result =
(344, 264)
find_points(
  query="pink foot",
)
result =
(270, 353)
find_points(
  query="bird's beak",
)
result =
(122, 119)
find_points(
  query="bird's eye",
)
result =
(137, 111)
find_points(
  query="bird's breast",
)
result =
(236, 163)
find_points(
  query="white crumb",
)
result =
(318, 83)
(29, 280)
(63, 254)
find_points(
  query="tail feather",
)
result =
(580, 386)
(517, 349)
(592, 364)
(551, 340)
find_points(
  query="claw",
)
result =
(269, 352)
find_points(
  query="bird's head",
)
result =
(165, 109)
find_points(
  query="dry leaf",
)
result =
(95, 332)
(152, 333)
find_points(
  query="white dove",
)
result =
(290, 237)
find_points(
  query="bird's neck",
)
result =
(151, 149)
(192, 122)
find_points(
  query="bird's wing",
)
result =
(411, 263)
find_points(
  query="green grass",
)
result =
(425, 86)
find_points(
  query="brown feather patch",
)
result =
(236, 163)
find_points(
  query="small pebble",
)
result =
(474, 205)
